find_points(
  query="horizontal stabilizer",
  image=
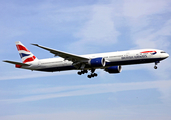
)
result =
(16, 63)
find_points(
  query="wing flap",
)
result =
(16, 63)
(67, 56)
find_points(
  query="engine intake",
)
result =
(113, 69)
(97, 62)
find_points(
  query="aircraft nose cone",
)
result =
(167, 55)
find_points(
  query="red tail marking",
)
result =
(20, 47)
(18, 66)
(29, 59)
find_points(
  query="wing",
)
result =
(66, 56)
(18, 63)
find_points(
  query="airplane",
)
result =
(110, 62)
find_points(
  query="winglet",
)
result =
(34, 44)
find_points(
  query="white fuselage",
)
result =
(111, 58)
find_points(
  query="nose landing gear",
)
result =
(155, 67)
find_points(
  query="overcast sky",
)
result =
(82, 27)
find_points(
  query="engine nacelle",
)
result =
(113, 69)
(97, 62)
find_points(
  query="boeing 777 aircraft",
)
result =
(110, 62)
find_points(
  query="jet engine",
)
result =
(97, 62)
(113, 69)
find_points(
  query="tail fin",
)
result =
(25, 54)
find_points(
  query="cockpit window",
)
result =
(163, 52)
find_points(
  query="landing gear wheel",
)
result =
(92, 75)
(79, 73)
(82, 72)
(89, 76)
(95, 74)
(155, 67)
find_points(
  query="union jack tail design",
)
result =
(25, 54)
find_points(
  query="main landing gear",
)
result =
(92, 74)
(82, 72)
(89, 76)
(155, 67)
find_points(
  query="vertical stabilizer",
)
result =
(25, 54)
